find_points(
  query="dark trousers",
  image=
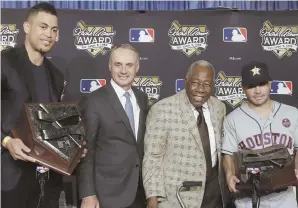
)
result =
(212, 193)
(27, 191)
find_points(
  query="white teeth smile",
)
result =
(198, 97)
(45, 42)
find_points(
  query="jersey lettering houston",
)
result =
(245, 129)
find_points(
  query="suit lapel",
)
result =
(23, 66)
(53, 81)
(214, 114)
(188, 117)
(116, 105)
(141, 124)
(141, 115)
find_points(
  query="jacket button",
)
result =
(137, 165)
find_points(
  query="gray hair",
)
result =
(202, 63)
(125, 46)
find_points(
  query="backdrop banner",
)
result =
(168, 43)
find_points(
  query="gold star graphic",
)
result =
(255, 71)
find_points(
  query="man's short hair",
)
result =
(41, 7)
(200, 63)
(125, 46)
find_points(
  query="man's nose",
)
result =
(257, 89)
(48, 32)
(200, 88)
(123, 70)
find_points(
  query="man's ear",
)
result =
(138, 67)
(26, 27)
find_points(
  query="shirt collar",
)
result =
(119, 90)
(205, 105)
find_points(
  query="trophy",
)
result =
(264, 171)
(55, 134)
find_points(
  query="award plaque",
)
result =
(55, 134)
(273, 166)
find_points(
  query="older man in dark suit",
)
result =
(110, 175)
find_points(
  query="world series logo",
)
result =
(189, 39)
(8, 34)
(229, 89)
(93, 39)
(281, 40)
(149, 85)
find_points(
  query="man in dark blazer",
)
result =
(27, 76)
(110, 175)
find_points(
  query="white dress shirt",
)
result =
(207, 117)
(136, 109)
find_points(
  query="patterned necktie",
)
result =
(203, 129)
(129, 111)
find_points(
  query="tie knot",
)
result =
(200, 109)
(127, 95)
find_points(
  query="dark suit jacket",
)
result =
(18, 87)
(112, 168)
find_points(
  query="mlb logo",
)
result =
(179, 85)
(141, 35)
(235, 34)
(281, 88)
(89, 85)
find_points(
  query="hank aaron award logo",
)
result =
(281, 40)
(189, 39)
(229, 89)
(149, 85)
(8, 36)
(93, 39)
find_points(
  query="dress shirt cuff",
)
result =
(227, 152)
(159, 194)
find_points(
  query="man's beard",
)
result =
(40, 49)
(42, 52)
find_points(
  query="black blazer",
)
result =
(112, 168)
(18, 87)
